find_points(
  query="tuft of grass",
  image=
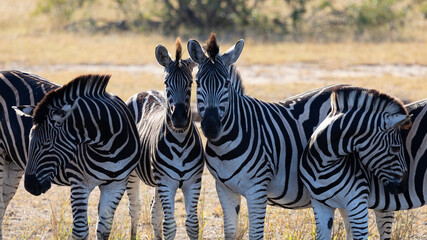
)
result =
(405, 225)
(60, 220)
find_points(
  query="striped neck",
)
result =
(171, 128)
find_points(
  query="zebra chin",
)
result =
(211, 123)
(33, 186)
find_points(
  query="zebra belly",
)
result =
(286, 190)
(292, 196)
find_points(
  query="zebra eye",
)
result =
(395, 149)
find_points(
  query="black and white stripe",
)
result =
(16, 89)
(253, 147)
(362, 123)
(172, 151)
(84, 137)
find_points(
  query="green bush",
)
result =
(267, 19)
(423, 9)
(376, 13)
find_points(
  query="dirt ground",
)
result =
(260, 74)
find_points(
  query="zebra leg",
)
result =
(347, 226)
(324, 216)
(111, 194)
(135, 205)
(157, 215)
(79, 201)
(257, 207)
(358, 217)
(384, 223)
(230, 203)
(12, 175)
(191, 196)
(167, 193)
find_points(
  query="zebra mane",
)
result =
(178, 54)
(85, 85)
(212, 47)
(345, 98)
(236, 79)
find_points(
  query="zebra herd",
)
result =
(334, 147)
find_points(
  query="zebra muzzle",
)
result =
(179, 116)
(211, 123)
(396, 186)
(33, 186)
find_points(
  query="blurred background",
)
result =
(291, 46)
(271, 20)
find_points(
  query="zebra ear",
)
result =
(61, 114)
(196, 52)
(162, 56)
(397, 120)
(24, 110)
(233, 53)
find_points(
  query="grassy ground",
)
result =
(25, 44)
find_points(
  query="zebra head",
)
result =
(372, 121)
(384, 155)
(58, 129)
(178, 80)
(44, 154)
(213, 82)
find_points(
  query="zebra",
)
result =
(385, 203)
(172, 150)
(253, 147)
(16, 89)
(363, 123)
(88, 136)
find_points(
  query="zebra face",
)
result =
(212, 96)
(178, 80)
(213, 83)
(45, 153)
(384, 156)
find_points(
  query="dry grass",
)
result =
(335, 54)
(49, 217)
(27, 44)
